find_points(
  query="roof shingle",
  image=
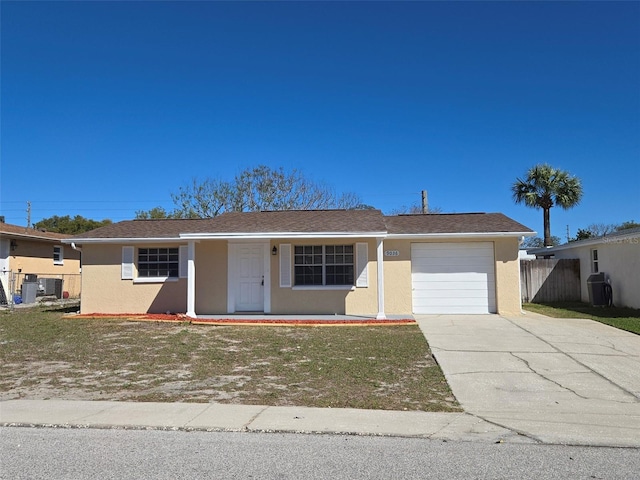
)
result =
(18, 231)
(310, 221)
(453, 223)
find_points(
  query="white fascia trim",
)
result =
(27, 236)
(324, 287)
(424, 236)
(607, 239)
(84, 241)
(155, 279)
(278, 235)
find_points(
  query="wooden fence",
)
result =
(550, 280)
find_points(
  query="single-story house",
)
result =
(29, 251)
(345, 262)
(617, 255)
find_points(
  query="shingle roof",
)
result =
(309, 221)
(453, 223)
(290, 221)
(18, 231)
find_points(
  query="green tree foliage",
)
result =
(155, 213)
(583, 234)
(627, 225)
(545, 187)
(253, 189)
(68, 225)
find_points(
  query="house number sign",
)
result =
(391, 253)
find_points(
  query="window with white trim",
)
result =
(594, 261)
(158, 262)
(323, 265)
(58, 255)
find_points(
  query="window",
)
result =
(323, 265)
(158, 262)
(594, 261)
(58, 255)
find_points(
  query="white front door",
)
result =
(249, 293)
(5, 252)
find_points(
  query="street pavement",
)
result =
(522, 379)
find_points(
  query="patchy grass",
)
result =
(377, 367)
(619, 317)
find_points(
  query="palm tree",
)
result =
(545, 187)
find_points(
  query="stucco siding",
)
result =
(104, 291)
(619, 259)
(36, 257)
(398, 286)
(355, 301)
(211, 277)
(507, 276)
(397, 278)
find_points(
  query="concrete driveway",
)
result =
(553, 380)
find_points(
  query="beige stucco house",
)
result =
(617, 255)
(346, 262)
(30, 251)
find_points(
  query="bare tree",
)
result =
(254, 189)
(413, 209)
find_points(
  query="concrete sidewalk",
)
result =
(552, 380)
(242, 418)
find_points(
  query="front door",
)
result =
(4, 268)
(250, 278)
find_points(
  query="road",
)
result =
(47, 453)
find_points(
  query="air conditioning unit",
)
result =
(47, 286)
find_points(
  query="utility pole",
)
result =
(28, 214)
(425, 203)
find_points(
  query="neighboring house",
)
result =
(616, 254)
(353, 262)
(30, 251)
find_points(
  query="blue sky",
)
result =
(108, 107)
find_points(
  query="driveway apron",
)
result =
(565, 381)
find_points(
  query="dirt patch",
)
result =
(47, 356)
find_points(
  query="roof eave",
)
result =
(270, 235)
(624, 238)
(27, 236)
(85, 241)
(224, 236)
(445, 235)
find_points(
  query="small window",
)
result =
(58, 255)
(158, 262)
(594, 261)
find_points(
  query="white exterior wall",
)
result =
(619, 258)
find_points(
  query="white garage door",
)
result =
(453, 278)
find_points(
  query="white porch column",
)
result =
(191, 279)
(379, 262)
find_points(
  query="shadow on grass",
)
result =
(63, 308)
(602, 312)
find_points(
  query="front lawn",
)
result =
(619, 317)
(378, 367)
